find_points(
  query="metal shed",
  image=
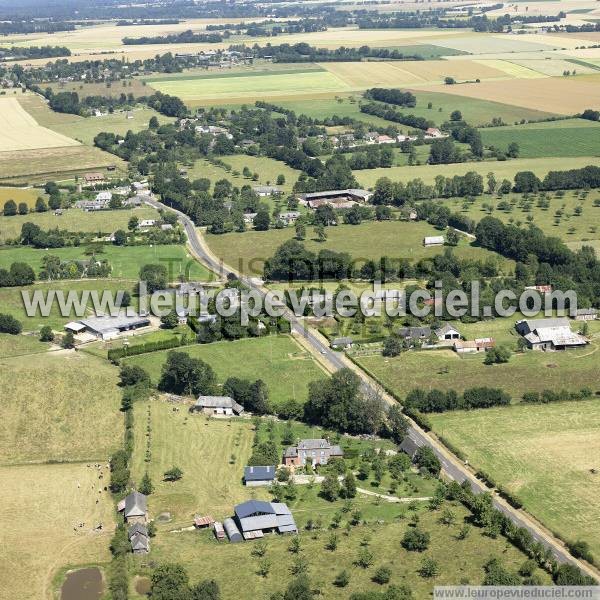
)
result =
(233, 533)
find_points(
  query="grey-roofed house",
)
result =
(107, 327)
(318, 450)
(257, 517)
(259, 475)
(586, 314)
(336, 198)
(135, 508)
(139, 538)
(267, 190)
(409, 446)
(217, 405)
(414, 333)
(447, 332)
(342, 343)
(549, 334)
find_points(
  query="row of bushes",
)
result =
(548, 396)
(115, 354)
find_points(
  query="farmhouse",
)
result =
(89, 205)
(549, 334)
(255, 476)
(147, 223)
(476, 345)
(104, 196)
(289, 217)
(139, 538)
(249, 217)
(267, 190)
(255, 518)
(106, 327)
(433, 240)
(342, 343)
(409, 446)
(93, 178)
(586, 314)
(217, 405)
(434, 133)
(335, 198)
(319, 451)
(414, 333)
(447, 332)
(134, 508)
(385, 139)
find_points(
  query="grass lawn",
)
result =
(542, 453)
(572, 137)
(267, 168)
(73, 219)
(529, 371)
(570, 227)
(502, 169)
(33, 550)
(276, 359)
(126, 261)
(247, 251)
(19, 345)
(58, 406)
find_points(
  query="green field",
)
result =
(502, 169)
(20, 345)
(569, 228)
(58, 406)
(267, 168)
(476, 112)
(572, 137)
(126, 261)
(276, 359)
(247, 251)
(528, 371)
(73, 219)
(542, 453)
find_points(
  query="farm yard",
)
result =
(544, 454)
(246, 252)
(278, 360)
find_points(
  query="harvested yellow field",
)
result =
(562, 95)
(437, 70)
(27, 195)
(20, 131)
(554, 68)
(42, 507)
(513, 69)
(368, 74)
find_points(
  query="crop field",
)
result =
(112, 89)
(477, 112)
(126, 261)
(478, 44)
(34, 549)
(248, 89)
(556, 67)
(276, 359)
(502, 169)
(20, 131)
(267, 168)
(545, 454)
(511, 68)
(73, 219)
(58, 406)
(562, 95)
(529, 371)
(246, 252)
(569, 227)
(27, 195)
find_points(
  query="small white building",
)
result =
(434, 240)
(147, 223)
(104, 196)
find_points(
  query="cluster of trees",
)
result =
(253, 396)
(11, 208)
(16, 52)
(442, 401)
(53, 268)
(184, 37)
(372, 157)
(184, 375)
(34, 25)
(8, 324)
(170, 581)
(389, 113)
(392, 96)
(548, 396)
(18, 274)
(341, 404)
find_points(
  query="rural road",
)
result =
(453, 467)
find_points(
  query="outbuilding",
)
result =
(258, 475)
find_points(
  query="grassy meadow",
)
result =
(246, 252)
(544, 454)
(278, 360)
(33, 550)
(58, 406)
(126, 261)
(74, 219)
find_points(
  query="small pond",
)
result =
(83, 584)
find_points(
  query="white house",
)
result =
(434, 240)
